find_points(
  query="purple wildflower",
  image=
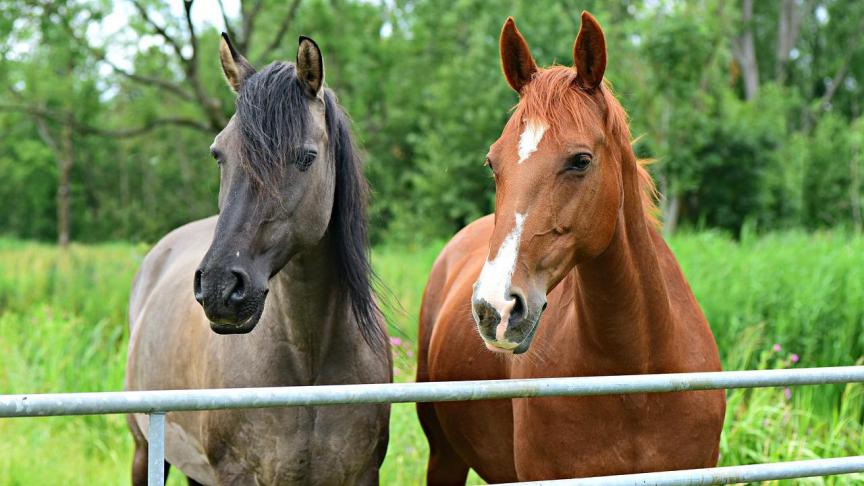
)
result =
(776, 347)
(795, 358)
(395, 341)
(787, 392)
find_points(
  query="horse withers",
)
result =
(284, 297)
(570, 277)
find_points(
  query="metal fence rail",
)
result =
(723, 475)
(157, 403)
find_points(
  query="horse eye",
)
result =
(216, 155)
(306, 159)
(579, 162)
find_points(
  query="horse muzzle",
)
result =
(231, 301)
(507, 325)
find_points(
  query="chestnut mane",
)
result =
(551, 96)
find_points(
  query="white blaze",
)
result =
(494, 282)
(530, 139)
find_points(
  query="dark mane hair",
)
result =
(272, 116)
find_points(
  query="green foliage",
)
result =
(63, 328)
(826, 172)
(800, 291)
(422, 81)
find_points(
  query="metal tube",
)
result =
(724, 475)
(156, 450)
(180, 400)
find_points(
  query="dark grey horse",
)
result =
(284, 292)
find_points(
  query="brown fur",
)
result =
(551, 98)
(599, 291)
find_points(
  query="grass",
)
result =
(63, 328)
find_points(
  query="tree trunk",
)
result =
(64, 167)
(788, 27)
(63, 154)
(669, 205)
(670, 214)
(744, 50)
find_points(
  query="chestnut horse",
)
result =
(572, 235)
(284, 291)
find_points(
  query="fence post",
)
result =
(156, 450)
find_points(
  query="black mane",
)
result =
(273, 118)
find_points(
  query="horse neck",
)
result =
(308, 305)
(622, 302)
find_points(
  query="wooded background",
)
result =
(752, 109)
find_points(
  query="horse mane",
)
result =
(272, 116)
(350, 235)
(551, 96)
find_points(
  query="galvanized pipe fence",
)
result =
(158, 403)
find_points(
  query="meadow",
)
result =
(778, 300)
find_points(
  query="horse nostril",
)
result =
(199, 296)
(238, 292)
(518, 311)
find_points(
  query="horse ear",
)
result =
(310, 66)
(235, 67)
(589, 53)
(516, 60)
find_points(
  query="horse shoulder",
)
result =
(175, 251)
(161, 300)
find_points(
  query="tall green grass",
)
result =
(63, 328)
(805, 292)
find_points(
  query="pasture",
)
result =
(778, 300)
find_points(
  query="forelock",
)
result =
(272, 117)
(554, 98)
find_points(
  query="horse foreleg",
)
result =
(139, 466)
(139, 457)
(445, 467)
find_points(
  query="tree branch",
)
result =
(851, 43)
(193, 39)
(85, 129)
(190, 65)
(228, 28)
(159, 30)
(283, 29)
(150, 81)
(45, 134)
(248, 23)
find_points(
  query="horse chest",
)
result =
(304, 445)
(298, 445)
(606, 435)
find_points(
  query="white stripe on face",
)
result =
(493, 286)
(530, 139)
